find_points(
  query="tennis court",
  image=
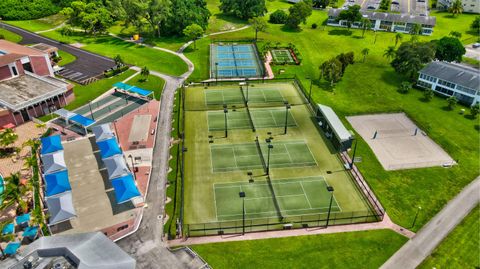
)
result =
(229, 97)
(247, 156)
(261, 117)
(234, 60)
(282, 56)
(295, 197)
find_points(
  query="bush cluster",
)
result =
(278, 17)
(116, 71)
(27, 10)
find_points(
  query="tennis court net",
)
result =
(248, 109)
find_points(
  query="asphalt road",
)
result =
(431, 235)
(87, 64)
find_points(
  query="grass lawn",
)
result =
(39, 24)
(153, 83)
(460, 248)
(131, 53)
(66, 58)
(10, 36)
(369, 249)
(371, 87)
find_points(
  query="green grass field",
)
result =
(66, 58)
(152, 83)
(41, 24)
(12, 37)
(460, 248)
(295, 159)
(367, 250)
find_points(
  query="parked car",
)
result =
(476, 45)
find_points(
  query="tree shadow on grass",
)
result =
(423, 100)
(229, 18)
(343, 32)
(477, 127)
(391, 77)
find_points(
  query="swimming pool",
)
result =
(234, 61)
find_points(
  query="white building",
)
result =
(382, 21)
(469, 6)
(450, 79)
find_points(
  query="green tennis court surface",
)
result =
(300, 196)
(246, 156)
(262, 118)
(282, 56)
(234, 96)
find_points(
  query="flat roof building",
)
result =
(451, 79)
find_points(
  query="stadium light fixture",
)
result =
(330, 190)
(242, 195)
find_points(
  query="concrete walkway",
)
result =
(429, 237)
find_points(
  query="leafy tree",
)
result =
(27, 10)
(193, 32)
(398, 38)
(346, 59)
(244, 9)
(366, 24)
(278, 17)
(456, 7)
(331, 71)
(416, 29)
(118, 61)
(299, 13)
(428, 95)
(145, 73)
(456, 34)
(258, 24)
(449, 49)
(452, 102)
(156, 13)
(474, 110)
(321, 3)
(184, 13)
(385, 5)
(390, 53)
(8, 137)
(14, 192)
(351, 15)
(91, 17)
(475, 26)
(405, 87)
(365, 52)
(411, 56)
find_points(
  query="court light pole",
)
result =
(354, 152)
(90, 106)
(225, 111)
(270, 147)
(246, 82)
(216, 73)
(330, 190)
(287, 107)
(242, 195)
(133, 166)
(416, 216)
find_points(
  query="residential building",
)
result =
(28, 87)
(469, 6)
(451, 79)
(381, 21)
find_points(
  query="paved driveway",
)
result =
(87, 65)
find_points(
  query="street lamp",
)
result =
(216, 73)
(242, 195)
(416, 215)
(246, 82)
(225, 111)
(133, 165)
(330, 190)
(287, 107)
(90, 106)
(310, 90)
(270, 147)
(353, 156)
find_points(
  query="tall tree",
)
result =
(350, 15)
(193, 32)
(411, 56)
(145, 73)
(416, 29)
(185, 13)
(366, 24)
(14, 192)
(299, 13)
(365, 52)
(331, 71)
(475, 26)
(278, 17)
(389, 53)
(474, 110)
(157, 11)
(8, 137)
(451, 102)
(449, 49)
(398, 38)
(456, 7)
(258, 24)
(346, 59)
(428, 95)
(244, 9)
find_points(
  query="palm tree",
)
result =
(14, 192)
(456, 8)
(365, 52)
(7, 138)
(416, 29)
(145, 73)
(398, 38)
(390, 53)
(366, 24)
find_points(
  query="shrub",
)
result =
(27, 10)
(113, 72)
(278, 17)
(314, 26)
(2, 37)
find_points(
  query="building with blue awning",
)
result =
(116, 167)
(57, 183)
(102, 132)
(125, 189)
(53, 162)
(51, 144)
(109, 148)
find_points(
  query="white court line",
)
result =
(289, 156)
(305, 193)
(215, 202)
(263, 212)
(235, 157)
(278, 196)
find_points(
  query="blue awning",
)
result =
(30, 232)
(22, 219)
(84, 121)
(122, 86)
(140, 91)
(125, 188)
(12, 248)
(51, 144)
(57, 183)
(8, 229)
(109, 148)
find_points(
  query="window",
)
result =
(424, 84)
(14, 71)
(123, 227)
(28, 67)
